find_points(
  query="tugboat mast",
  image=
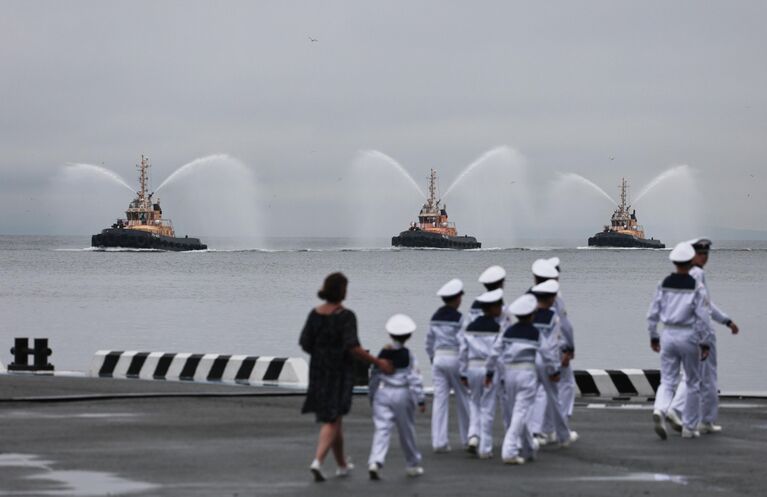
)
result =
(432, 189)
(143, 179)
(624, 195)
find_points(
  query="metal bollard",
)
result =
(21, 353)
(41, 354)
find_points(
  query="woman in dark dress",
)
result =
(330, 338)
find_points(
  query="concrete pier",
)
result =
(85, 436)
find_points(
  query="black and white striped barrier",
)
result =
(294, 372)
(234, 369)
(617, 383)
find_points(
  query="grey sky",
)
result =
(567, 84)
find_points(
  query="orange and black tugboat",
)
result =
(623, 230)
(144, 227)
(433, 228)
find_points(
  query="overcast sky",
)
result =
(567, 85)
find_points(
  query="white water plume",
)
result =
(189, 166)
(502, 152)
(213, 195)
(382, 199)
(77, 168)
(578, 179)
(671, 206)
(574, 208)
(376, 155)
(674, 171)
(491, 198)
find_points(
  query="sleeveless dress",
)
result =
(328, 340)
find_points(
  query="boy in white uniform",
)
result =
(547, 321)
(709, 391)
(517, 348)
(442, 342)
(475, 347)
(394, 398)
(681, 304)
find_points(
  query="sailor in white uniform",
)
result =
(567, 378)
(442, 342)
(475, 347)
(542, 420)
(493, 278)
(549, 370)
(394, 398)
(681, 304)
(517, 347)
(709, 392)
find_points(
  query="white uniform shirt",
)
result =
(477, 341)
(568, 337)
(444, 331)
(406, 373)
(680, 301)
(717, 314)
(519, 343)
(548, 324)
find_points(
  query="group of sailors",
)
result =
(515, 357)
(687, 398)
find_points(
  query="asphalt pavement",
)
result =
(83, 436)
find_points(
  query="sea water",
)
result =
(238, 299)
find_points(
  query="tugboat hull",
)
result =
(424, 239)
(622, 240)
(136, 239)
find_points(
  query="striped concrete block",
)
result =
(233, 369)
(617, 383)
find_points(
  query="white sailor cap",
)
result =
(524, 305)
(452, 288)
(400, 324)
(491, 297)
(683, 252)
(554, 261)
(548, 286)
(543, 269)
(493, 274)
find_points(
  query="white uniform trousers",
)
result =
(394, 406)
(501, 400)
(446, 375)
(539, 411)
(521, 384)
(679, 349)
(567, 390)
(481, 408)
(709, 389)
(548, 416)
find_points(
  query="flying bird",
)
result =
(313, 40)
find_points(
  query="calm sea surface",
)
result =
(240, 301)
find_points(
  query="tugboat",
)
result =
(433, 228)
(623, 230)
(144, 227)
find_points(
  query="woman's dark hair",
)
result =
(334, 288)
